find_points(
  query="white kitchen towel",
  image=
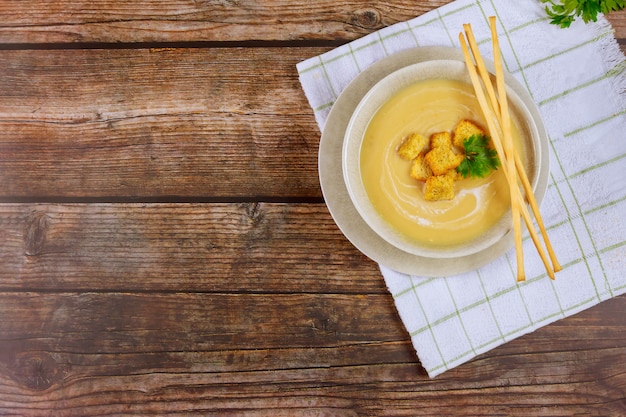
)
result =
(576, 76)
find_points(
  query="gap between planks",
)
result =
(312, 43)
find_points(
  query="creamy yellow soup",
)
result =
(429, 107)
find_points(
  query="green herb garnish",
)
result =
(479, 158)
(564, 12)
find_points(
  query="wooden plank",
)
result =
(618, 21)
(186, 20)
(247, 247)
(107, 353)
(156, 123)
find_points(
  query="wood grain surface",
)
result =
(199, 20)
(156, 123)
(165, 248)
(217, 247)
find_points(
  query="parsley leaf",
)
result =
(479, 158)
(608, 6)
(564, 12)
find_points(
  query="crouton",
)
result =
(412, 146)
(441, 140)
(441, 159)
(453, 174)
(439, 187)
(420, 169)
(464, 130)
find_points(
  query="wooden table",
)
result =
(165, 248)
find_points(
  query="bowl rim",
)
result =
(368, 106)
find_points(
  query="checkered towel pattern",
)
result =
(577, 78)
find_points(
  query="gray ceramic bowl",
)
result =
(382, 92)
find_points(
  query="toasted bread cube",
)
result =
(412, 146)
(441, 140)
(464, 130)
(420, 169)
(439, 187)
(453, 174)
(442, 159)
